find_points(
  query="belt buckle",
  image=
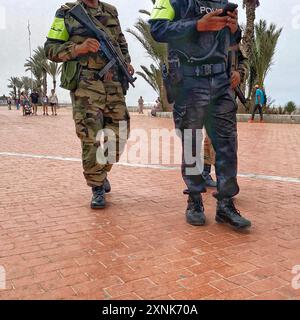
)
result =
(207, 69)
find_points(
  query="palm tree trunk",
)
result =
(45, 88)
(248, 39)
(249, 31)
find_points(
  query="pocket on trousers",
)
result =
(179, 113)
(114, 95)
(115, 104)
(90, 94)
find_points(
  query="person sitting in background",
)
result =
(45, 105)
(53, 102)
(260, 101)
(157, 107)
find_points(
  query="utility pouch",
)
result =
(175, 70)
(172, 76)
(70, 75)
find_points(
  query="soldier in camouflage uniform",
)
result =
(98, 104)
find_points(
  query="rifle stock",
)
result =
(234, 65)
(239, 93)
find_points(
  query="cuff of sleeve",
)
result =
(68, 52)
(72, 51)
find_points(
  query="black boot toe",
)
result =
(227, 213)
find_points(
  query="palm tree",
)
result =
(250, 6)
(40, 57)
(54, 70)
(37, 72)
(263, 51)
(19, 86)
(38, 65)
(158, 52)
(13, 83)
(26, 84)
(152, 76)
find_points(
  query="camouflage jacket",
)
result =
(66, 32)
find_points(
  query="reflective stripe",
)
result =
(163, 10)
(58, 30)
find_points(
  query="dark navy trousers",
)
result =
(208, 102)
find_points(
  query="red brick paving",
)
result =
(53, 246)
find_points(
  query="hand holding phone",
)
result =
(230, 7)
(230, 11)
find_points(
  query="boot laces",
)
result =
(98, 192)
(197, 204)
(234, 209)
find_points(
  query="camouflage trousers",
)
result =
(209, 152)
(99, 107)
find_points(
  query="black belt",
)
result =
(203, 70)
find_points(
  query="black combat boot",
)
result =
(209, 182)
(227, 212)
(98, 200)
(106, 186)
(195, 211)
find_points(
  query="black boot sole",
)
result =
(97, 207)
(222, 221)
(195, 224)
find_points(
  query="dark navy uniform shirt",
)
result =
(175, 22)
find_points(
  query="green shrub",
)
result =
(290, 107)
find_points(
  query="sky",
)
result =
(282, 83)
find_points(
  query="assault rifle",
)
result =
(114, 57)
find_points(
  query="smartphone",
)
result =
(229, 7)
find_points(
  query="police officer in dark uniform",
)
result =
(199, 38)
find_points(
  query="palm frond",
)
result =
(263, 52)
(157, 52)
